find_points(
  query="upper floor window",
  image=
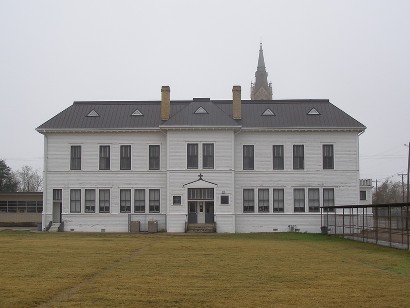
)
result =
(75, 200)
(263, 200)
(208, 155)
(154, 157)
(125, 157)
(104, 157)
(313, 199)
(298, 157)
(278, 161)
(248, 201)
(363, 195)
(154, 201)
(299, 199)
(192, 155)
(248, 157)
(125, 200)
(104, 201)
(328, 157)
(90, 200)
(278, 200)
(75, 159)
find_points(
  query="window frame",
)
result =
(248, 157)
(299, 209)
(298, 157)
(192, 156)
(104, 201)
(154, 205)
(363, 192)
(175, 197)
(75, 204)
(280, 202)
(224, 203)
(248, 203)
(328, 155)
(313, 203)
(208, 156)
(125, 161)
(278, 160)
(264, 208)
(141, 202)
(125, 200)
(154, 162)
(104, 162)
(89, 203)
(75, 160)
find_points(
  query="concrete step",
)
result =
(54, 227)
(201, 228)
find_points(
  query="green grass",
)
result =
(237, 270)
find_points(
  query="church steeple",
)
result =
(261, 89)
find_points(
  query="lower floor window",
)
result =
(278, 200)
(154, 201)
(139, 201)
(90, 200)
(299, 200)
(248, 201)
(125, 200)
(313, 199)
(75, 200)
(104, 201)
(329, 198)
(263, 200)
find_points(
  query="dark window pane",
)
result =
(363, 195)
(104, 203)
(248, 201)
(125, 157)
(75, 200)
(263, 200)
(278, 200)
(154, 201)
(75, 161)
(298, 157)
(139, 200)
(192, 156)
(278, 157)
(90, 200)
(57, 194)
(299, 200)
(224, 199)
(208, 155)
(104, 157)
(154, 155)
(176, 200)
(328, 157)
(313, 199)
(125, 200)
(248, 157)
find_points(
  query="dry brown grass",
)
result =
(239, 270)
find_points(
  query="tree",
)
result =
(29, 180)
(388, 192)
(8, 181)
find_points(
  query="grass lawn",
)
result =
(235, 270)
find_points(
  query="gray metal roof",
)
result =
(118, 115)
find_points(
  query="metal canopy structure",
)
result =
(382, 224)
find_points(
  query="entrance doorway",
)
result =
(57, 205)
(200, 205)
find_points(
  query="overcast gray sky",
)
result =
(354, 53)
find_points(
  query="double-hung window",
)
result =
(154, 157)
(263, 200)
(75, 200)
(104, 157)
(298, 157)
(125, 200)
(154, 201)
(139, 200)
(329, 197)
(90, 200)
(208, 155)
(192, 155)
(313, 199)
(248, 157)
(75, 159)
(328, 156)
(278, 161)
(104, 201)
(278, 200)
(299, 200)
(125, 157)
(248, 201)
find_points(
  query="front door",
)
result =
(209, 212)
(192, 218)
(200, 205)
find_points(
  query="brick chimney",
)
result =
(165, 103)
(236, 103)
